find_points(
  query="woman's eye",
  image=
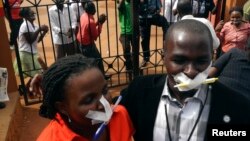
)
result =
(88, 100)
(105, 90)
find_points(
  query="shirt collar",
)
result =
(55, 7)
(200, 94)
(187, 17)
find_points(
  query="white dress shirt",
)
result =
(61, 22)
(182, 118)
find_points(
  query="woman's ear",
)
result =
(61, 107)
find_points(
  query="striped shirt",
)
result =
(182, 118)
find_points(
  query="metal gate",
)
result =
(108, 45)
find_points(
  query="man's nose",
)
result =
(190, 71)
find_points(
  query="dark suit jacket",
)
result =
(142, 97)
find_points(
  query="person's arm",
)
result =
(219, 64)
(96, 28)
(43, 33)
(218, 30)
(174, 9)
(212, 7)
(32, 36)
(35, 84)
(213, 72)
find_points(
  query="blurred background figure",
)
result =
(89, 31)
(63, 23)
(12, 10)
(234, 33)
(246, 10)
(126, 31)
(149, 14)
(168, 13)
(201, 8)
(29, 35)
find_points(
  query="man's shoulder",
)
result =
(222, 92)
(53, 8)
(150, 78)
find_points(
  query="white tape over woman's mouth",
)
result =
(98, 116)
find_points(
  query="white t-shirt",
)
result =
(23, 44)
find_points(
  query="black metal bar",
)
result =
(135, 36)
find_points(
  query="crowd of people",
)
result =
(180, 105)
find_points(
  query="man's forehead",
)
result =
(187, 38)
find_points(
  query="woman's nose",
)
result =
(190, 71)
(100, 107)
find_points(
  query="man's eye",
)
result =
(179, 61)
(202, 62)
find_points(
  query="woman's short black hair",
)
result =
(54, 80)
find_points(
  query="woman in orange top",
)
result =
(73, 87)
(234, 33)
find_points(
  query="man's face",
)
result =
(189, 53)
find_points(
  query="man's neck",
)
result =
(180, 96)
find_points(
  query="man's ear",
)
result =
(61, 107)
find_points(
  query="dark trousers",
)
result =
(14, 30)
(126, 41)
(145, 28)
(65, 50)
(91, 51)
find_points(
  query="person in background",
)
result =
(184, 9)
(234, 33)
(63, 23)
(246, 10)
(77, 7)
(178, 106)
(88, 32)
(73, 88)
(149, 14)
(233, 68)
(201, 8)
(29, 35)
(168, 13)
(126, 31)
(12, 10)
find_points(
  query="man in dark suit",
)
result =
(161, 111)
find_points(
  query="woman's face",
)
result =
(236, 18)
(82, 93)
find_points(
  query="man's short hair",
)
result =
(190, 26)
